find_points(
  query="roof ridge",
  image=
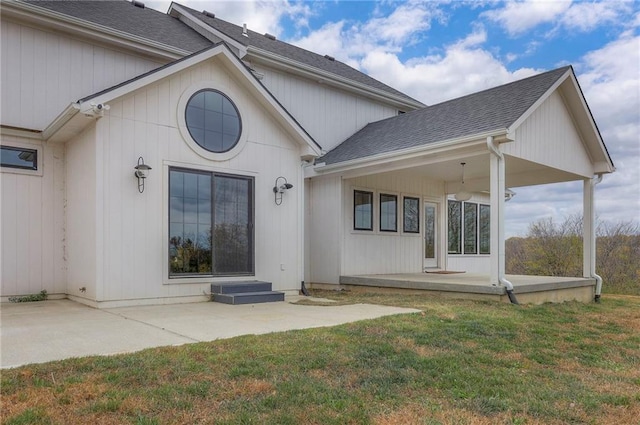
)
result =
(505, 85)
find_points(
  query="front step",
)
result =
(248, 292)
(249, 297)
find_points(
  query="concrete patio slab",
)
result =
(58, 329)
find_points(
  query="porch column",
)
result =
(588, 218)
(497, 189)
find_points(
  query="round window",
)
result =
(213, 121)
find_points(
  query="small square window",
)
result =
(21, 158)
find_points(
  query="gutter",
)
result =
(595, 181)
(494, 150)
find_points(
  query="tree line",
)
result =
(555, 249)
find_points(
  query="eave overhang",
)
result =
(410, 156)
(29, 13)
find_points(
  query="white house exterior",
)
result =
(92, 89)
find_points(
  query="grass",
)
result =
(456, 362)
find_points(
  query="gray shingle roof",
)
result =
(125, 17)
(160, 27)
(493, 109)
(296, 53)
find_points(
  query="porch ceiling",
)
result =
(519, 172)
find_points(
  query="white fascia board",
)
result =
(296, 67)
(48, 18)
(592, 128)
(409, 153)
(64, 117)
(204, 29)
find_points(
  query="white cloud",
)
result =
(519, 17)
(260, 16)
(462, 68)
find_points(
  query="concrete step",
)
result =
(249, 297)
(235, 287)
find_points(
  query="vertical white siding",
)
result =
(44, 71)
(323, 224)
(32, 224)
(384, 252)
(134, 226)
(80, 240)
(328, 114)
(549, 137)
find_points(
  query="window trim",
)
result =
(204, 90)
(461, 242)
(395, 221)
(22, 170)
(355, 227)
(404, 214)
(190, 277)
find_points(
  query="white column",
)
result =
(497, 188)
(588, 239)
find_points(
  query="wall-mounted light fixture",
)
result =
(462, 194)
(142, 171)
(280, 187)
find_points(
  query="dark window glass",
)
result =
(213, 121)
(455, 227)
(233, 233)
(210, 224)
(429, 231)
(388, 213)
(362, 210)
(485, 229)
(470, 228)
(26, 159)
(411, 215)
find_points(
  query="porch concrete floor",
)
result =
(467, 283)
(39, 332)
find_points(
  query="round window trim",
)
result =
(213, 120)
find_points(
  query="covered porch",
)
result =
(477, 286)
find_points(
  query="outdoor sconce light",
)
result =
(280, 187)
(142, 171)
(462, 194)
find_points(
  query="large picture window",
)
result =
(210, 224)
(362, 210)
(388, 213)
(469, 231)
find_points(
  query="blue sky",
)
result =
(438, 50)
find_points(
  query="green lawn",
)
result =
(456, 362)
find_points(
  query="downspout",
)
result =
(501, 278)
(595, 181)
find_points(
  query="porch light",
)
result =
(280, 187)
(141, 172)
(463, 194)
